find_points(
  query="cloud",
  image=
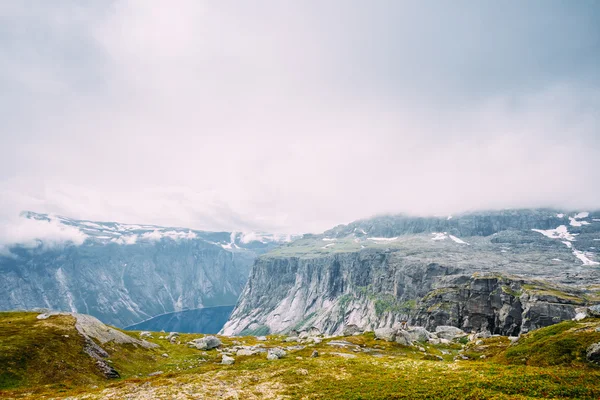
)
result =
(31, 233)
(294, 117)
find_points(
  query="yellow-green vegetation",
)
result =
(542, 289)
(354, 367)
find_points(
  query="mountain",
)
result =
(506, 272)
(201, 320)
(123, 273)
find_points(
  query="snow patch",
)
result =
(575, 222)
(559, 233)
(560, 215)
(457, 240)
(449, 217)
(568, 244)
(383, 239)
(328, 245)
(329, 239)
(583, 257)
(439, 236)
(582, 215)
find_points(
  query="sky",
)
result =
(288, 116)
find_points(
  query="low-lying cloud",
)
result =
(294, 117)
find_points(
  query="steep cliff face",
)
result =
(123, 274)
(514, 273)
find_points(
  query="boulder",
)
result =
(172, 335)
(314, 354)
(351, 329)
(449, 332)
(261, 338)
(275, 353)
(205, 343)
(291, 339)
(245, 352)
(387, 334)
(594, 311)
(404, 338)
(419, 334)
(314, 331)
(593, 353)
(145, 334)
(226, 360)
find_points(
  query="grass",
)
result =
(554, 367)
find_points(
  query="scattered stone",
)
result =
(245, 352)
(314, 331)
(145, 334)
(479, 342)
(387, 334)
(276, 353)
(314, 354)
(155, 373)
(513, 339)
(594, 311)
(422, 349)
(418, 334)
(340, 343)
(403, 338)
(165, 355)
(593, 353)
(302, 371)
(434, 340)
(172, 335)
(261, 338)
(303, 335)
(205, 343)
(291, 339)
(226, 360)
(351, 329)
(345, 355)
(449, 332)
(299, 358)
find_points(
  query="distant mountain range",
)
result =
(124, 273)
(504, 272)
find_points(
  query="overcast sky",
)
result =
(295, 116)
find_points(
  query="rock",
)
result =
(172, 335)
(479, 342)
(593, 353)
(594, 311)
(418, 334)
(449, 332)
(434, 340)
(303, 335)
(226, 360)
(314, 354)
(403, 338)
(314, 331)
(145, 334)
(245, 352)
(483, 334)
(513, 339)
(275, 353)
(261, 338)
(205, 343)
(317, 340)
(387, 334)
(291, 339)
(340, 343)
(351, 329)
(155, 373)
(345, 355)
(165, 355)
(302, 371)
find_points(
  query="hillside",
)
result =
(36, 362)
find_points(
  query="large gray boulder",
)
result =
(205, 343)
(387, 334)
(449, 332)
(404, 338)
(275, 353)
(593, 353)
(226, 360)
(419, 334)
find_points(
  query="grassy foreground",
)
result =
(41, 359)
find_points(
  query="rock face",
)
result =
(124, 274)
(593, 353)
(506, 273)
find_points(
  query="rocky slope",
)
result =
(505, 272)
(124, 274)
